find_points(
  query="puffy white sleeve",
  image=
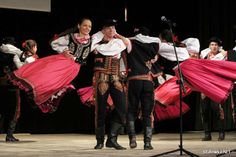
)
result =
(17, 61)
(60, 44)
(205, 52)
(96, 38)
(4, 48)
(112, 48)
(219, 56)
(10, 49)
(167, 51)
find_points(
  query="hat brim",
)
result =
(109, 22)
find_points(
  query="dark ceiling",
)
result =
(198, 18)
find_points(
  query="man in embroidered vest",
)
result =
(108, 46)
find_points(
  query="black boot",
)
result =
(221, 136)
(207, 127)
(148, 138)
(1, 123)
(112, 137)
(10, 131)
(100, 132)
(207, 136)
(221, 129)
(132, 135)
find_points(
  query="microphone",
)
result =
(164, 19)
(169, 22)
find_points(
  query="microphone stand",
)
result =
(181, 89)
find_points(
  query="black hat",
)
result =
(141, 30)
(216, 40)
(9, 40)
(109, 22)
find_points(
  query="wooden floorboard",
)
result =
(81, 145)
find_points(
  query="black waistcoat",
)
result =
(139, 58)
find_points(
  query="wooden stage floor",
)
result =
(81, 145)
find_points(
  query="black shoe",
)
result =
(132, 142)
(221, 136)
(11, 138)
(100, 131)
(112, 137)
(206, 138)
(99, 146)
(148, 146)
(114, 144)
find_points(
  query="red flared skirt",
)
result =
(169, 112)
(46, 80)
(213, 78)
(169, 92)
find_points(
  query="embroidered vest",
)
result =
(80, 51)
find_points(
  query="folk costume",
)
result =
(12, 58)
(107, 82)
(213, 112)
(47, 79)
(167, 94)
(142, 70)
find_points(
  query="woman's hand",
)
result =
(68, 54)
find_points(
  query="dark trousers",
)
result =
(140, 92)
(118, 113)
(212, 112)
(10, 110)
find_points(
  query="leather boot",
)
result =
(112, 137)
(207, 127)
(221, 136)
(10, 131)
(221, 130)
(148, 138)
(132, 135)
(207, 136)
(1, 123)
(100, 132)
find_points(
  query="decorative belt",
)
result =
(141, 77)
(109, 65)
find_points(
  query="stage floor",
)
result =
(81, 145)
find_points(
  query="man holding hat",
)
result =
(213, 111)
(108, 47)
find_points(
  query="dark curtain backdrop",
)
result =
(198, 18)
(217, 18)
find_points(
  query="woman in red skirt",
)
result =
(47, 79)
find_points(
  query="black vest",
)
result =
(139, 58)
(6, 63)
(231, 56)
(80, 51)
